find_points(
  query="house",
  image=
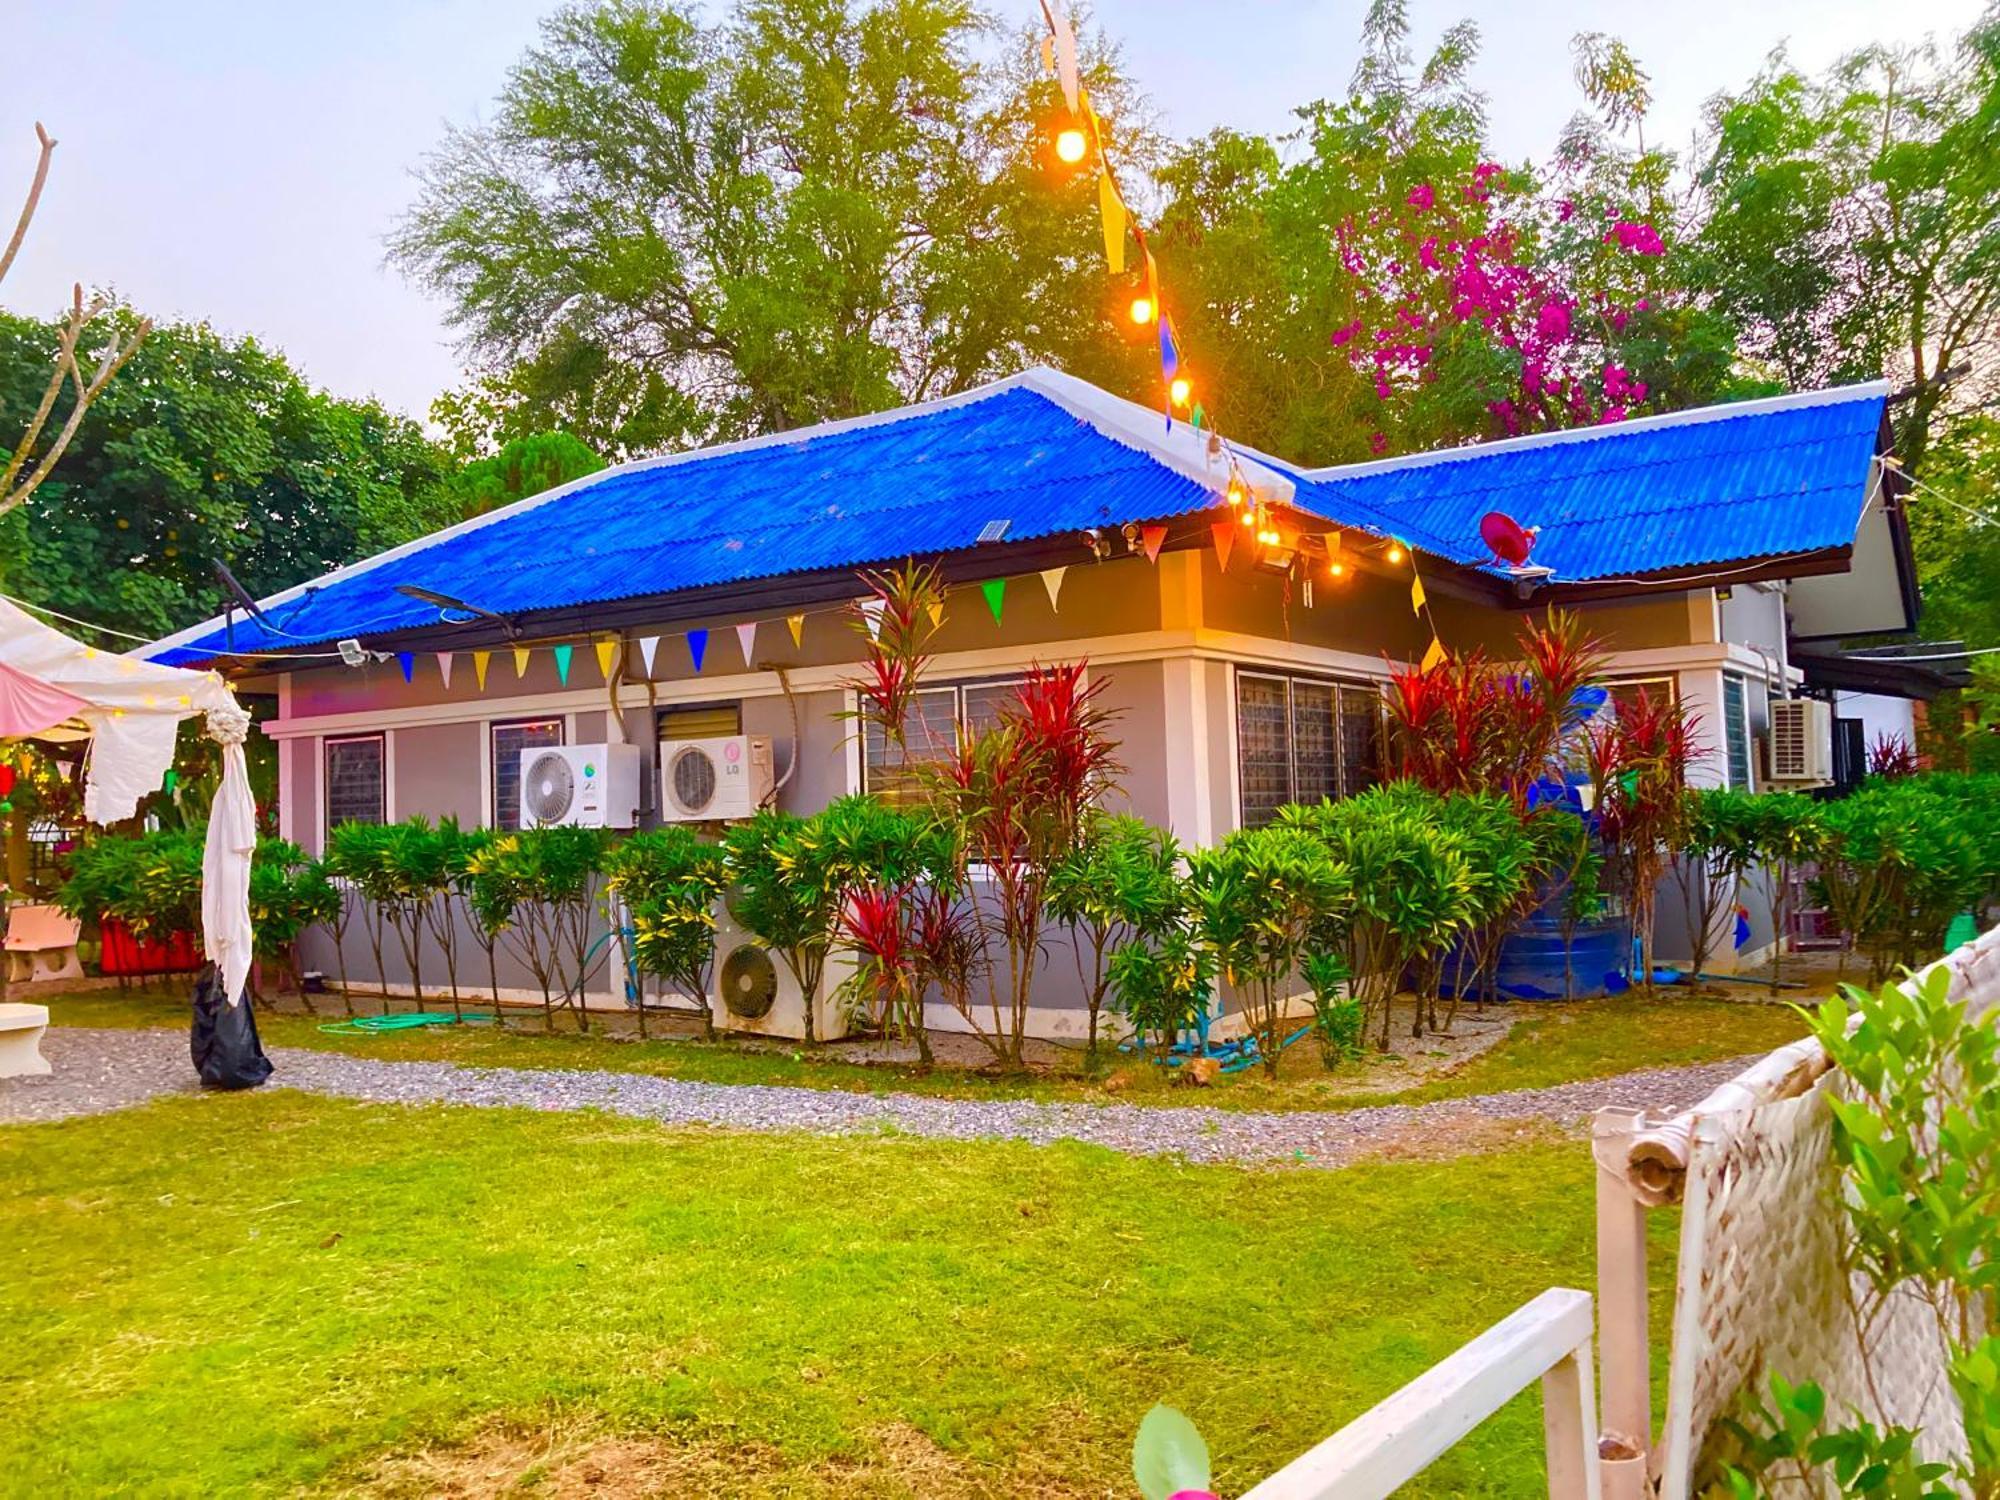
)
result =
(711, 593)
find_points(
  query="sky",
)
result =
(241, 160)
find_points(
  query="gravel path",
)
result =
(99, 1070)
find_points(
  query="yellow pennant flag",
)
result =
(797, 625)
(607, 657)
(481, 660)
(520, 661)
(1436, 655)
(935, 608)
(1113, 209)
(1416, 594)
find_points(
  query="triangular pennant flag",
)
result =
(1436, 656)
(520, 661)
(563, 654)
(1151, 539)
(444, 666)
(1066, 69)
(1224, 533)
(408, 663)
(1170, 353)
(697, 646)
(1152, 275)
(1052, 579)
(797, 625)
(481, 660)
(934, 607)
(746, 637)
(871, 615)
(1416, 595)
(648, 646)
(1048, 54)
(1198, 416)
(607, 657)
(1112, 207)
(995, 590)
(1333, 541)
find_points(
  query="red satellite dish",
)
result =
(1511, 542)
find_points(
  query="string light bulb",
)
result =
(1071, 145)
(1336, 570)
(1395, 553)
(1142, 310)
(1180, 389)
(1237, 494)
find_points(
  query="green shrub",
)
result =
(1122, 883)
(1161, 984)
(1338, 1019)
(1900, 860)
(669, 881)
(537, 888)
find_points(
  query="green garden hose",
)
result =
(401, 1021)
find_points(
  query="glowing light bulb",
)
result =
(1336, 570)
(1236, 492)
(1249, 518)
(1180, 390)
(1395, 553)
(1070, 145)
(1142, 310)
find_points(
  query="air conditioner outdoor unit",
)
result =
(702, 780)
(753, 989)
(587, 786)
(1799, 748)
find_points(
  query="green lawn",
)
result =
(269, 1292)
(1549, 1044)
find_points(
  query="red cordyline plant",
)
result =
(1019, 794)
(1639, 761)
(898, 619)
(1471, 724)
(875, 923)
(1893, 755)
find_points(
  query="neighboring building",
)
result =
(1684, 540)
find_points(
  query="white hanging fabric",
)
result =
(133, 710)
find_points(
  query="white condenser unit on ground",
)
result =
(588, 786)
(1798, 751)
(753, 989)
(720, 778)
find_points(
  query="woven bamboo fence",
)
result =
(1761, 1285)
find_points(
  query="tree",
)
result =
(525, 466)
(674, 230)
(1851, 222)
(208, 448)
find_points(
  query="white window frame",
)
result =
(956, 687)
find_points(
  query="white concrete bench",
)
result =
(21, 1028)
(41, 945)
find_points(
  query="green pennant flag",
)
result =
(995, 590)
(562, 654)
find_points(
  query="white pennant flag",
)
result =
(1052, 581)
(871, 614)
(1066, 67)
(648, 644)
(746, 637)
(444, 666)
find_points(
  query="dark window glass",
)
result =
(1736, 731)
(1360, 739)
(355, 781)
(1315, 742)
(1263, 745)
(509, 740)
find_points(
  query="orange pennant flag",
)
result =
(935, 609)
(481, 660)
(1436, 656)
(520, 661)
(1112, 207)
(607, 657)
(1224, 533)
(797, 625)
(1151, 539)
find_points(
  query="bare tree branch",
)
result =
(34, 197)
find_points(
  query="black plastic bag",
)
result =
(223, 1039)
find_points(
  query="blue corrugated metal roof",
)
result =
(1049, 455)
(1719, 485)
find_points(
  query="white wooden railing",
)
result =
(1548, 1340)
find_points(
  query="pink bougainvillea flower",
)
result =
(1565, 211)
(1486, 169)
(1428, 254)
(1612, 414)
(1553, 321)
(1340, 336)
(1637, 393)
(1422, 197)
(1378, 443)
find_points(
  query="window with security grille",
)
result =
(1303, 739)
(931, 727)
(1736, 730)
(509, 740)
(356, 780)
